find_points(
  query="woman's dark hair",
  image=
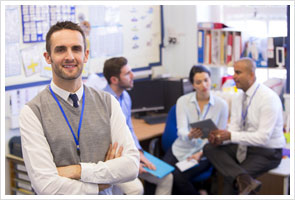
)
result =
(198, 69)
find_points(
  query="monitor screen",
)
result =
(147, 95)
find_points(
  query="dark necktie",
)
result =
(74, 97)
(242, 149)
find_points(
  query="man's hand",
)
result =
(217, 137)
(112, 152)
(197, 156)
(70, 171)
(144, 162)
(195, 133)
(102, 187)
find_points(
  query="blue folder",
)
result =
(162, 168)
(201, 44)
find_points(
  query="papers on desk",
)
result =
(186, 164)
(206, 126)
(162, 168)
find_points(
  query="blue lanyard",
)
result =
(64, 114)
(204, 116)
(244, 114)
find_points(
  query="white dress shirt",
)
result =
(187, 112)
(42, 169)
(264, 122)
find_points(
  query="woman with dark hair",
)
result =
(193, 107)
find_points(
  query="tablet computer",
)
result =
(206, 126)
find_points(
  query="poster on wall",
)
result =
(31, 59)
(12, 28)
(37, 19)
(106, 37)
(12, 60)
(129, 31)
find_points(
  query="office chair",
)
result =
(170, 135)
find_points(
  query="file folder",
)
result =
(237, 46)
(229, 48)
(208, 48)
(162, 168)
(215, 47)
(222, 48)
(201, 43)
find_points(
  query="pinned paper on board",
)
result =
(45, 69)
(12, 60)
(31, 59)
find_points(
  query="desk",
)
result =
(146, 131)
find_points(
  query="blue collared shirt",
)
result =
(125, 103)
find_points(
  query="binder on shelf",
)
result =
(201, 44)
(237, 46)
(208, 48)
(211, 25)
(215, 47)
(222, 48)
(229, 48)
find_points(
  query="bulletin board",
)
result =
(134, 32)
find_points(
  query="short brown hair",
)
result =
(112, 67)
(60, 26)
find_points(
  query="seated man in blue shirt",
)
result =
(120, 77)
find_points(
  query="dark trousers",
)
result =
(182, 181)
(258, 161)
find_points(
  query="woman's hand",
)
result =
(195, 133)
(197, 156)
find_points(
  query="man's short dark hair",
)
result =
(197, 69)
(60, 26)
(112, 67)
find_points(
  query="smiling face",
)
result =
(67, 55)
(202, 84)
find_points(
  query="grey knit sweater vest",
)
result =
(95, 130)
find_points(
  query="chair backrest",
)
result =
(170, 132)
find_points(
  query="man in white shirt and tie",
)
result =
(75, 140)
(253, 142)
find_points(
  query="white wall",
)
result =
(179, 22)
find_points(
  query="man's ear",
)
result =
(114, 80)
(86, 56)
(47, 57)
(253, 75)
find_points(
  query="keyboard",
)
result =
(155, 119)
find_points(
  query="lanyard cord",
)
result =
(64, 114)
(199, 113)
(244, 115)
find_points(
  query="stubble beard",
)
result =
(58, 70)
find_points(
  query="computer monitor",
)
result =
(147, 95)
(175, 88)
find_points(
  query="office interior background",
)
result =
(175, 42)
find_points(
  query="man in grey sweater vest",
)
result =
(75, 139)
